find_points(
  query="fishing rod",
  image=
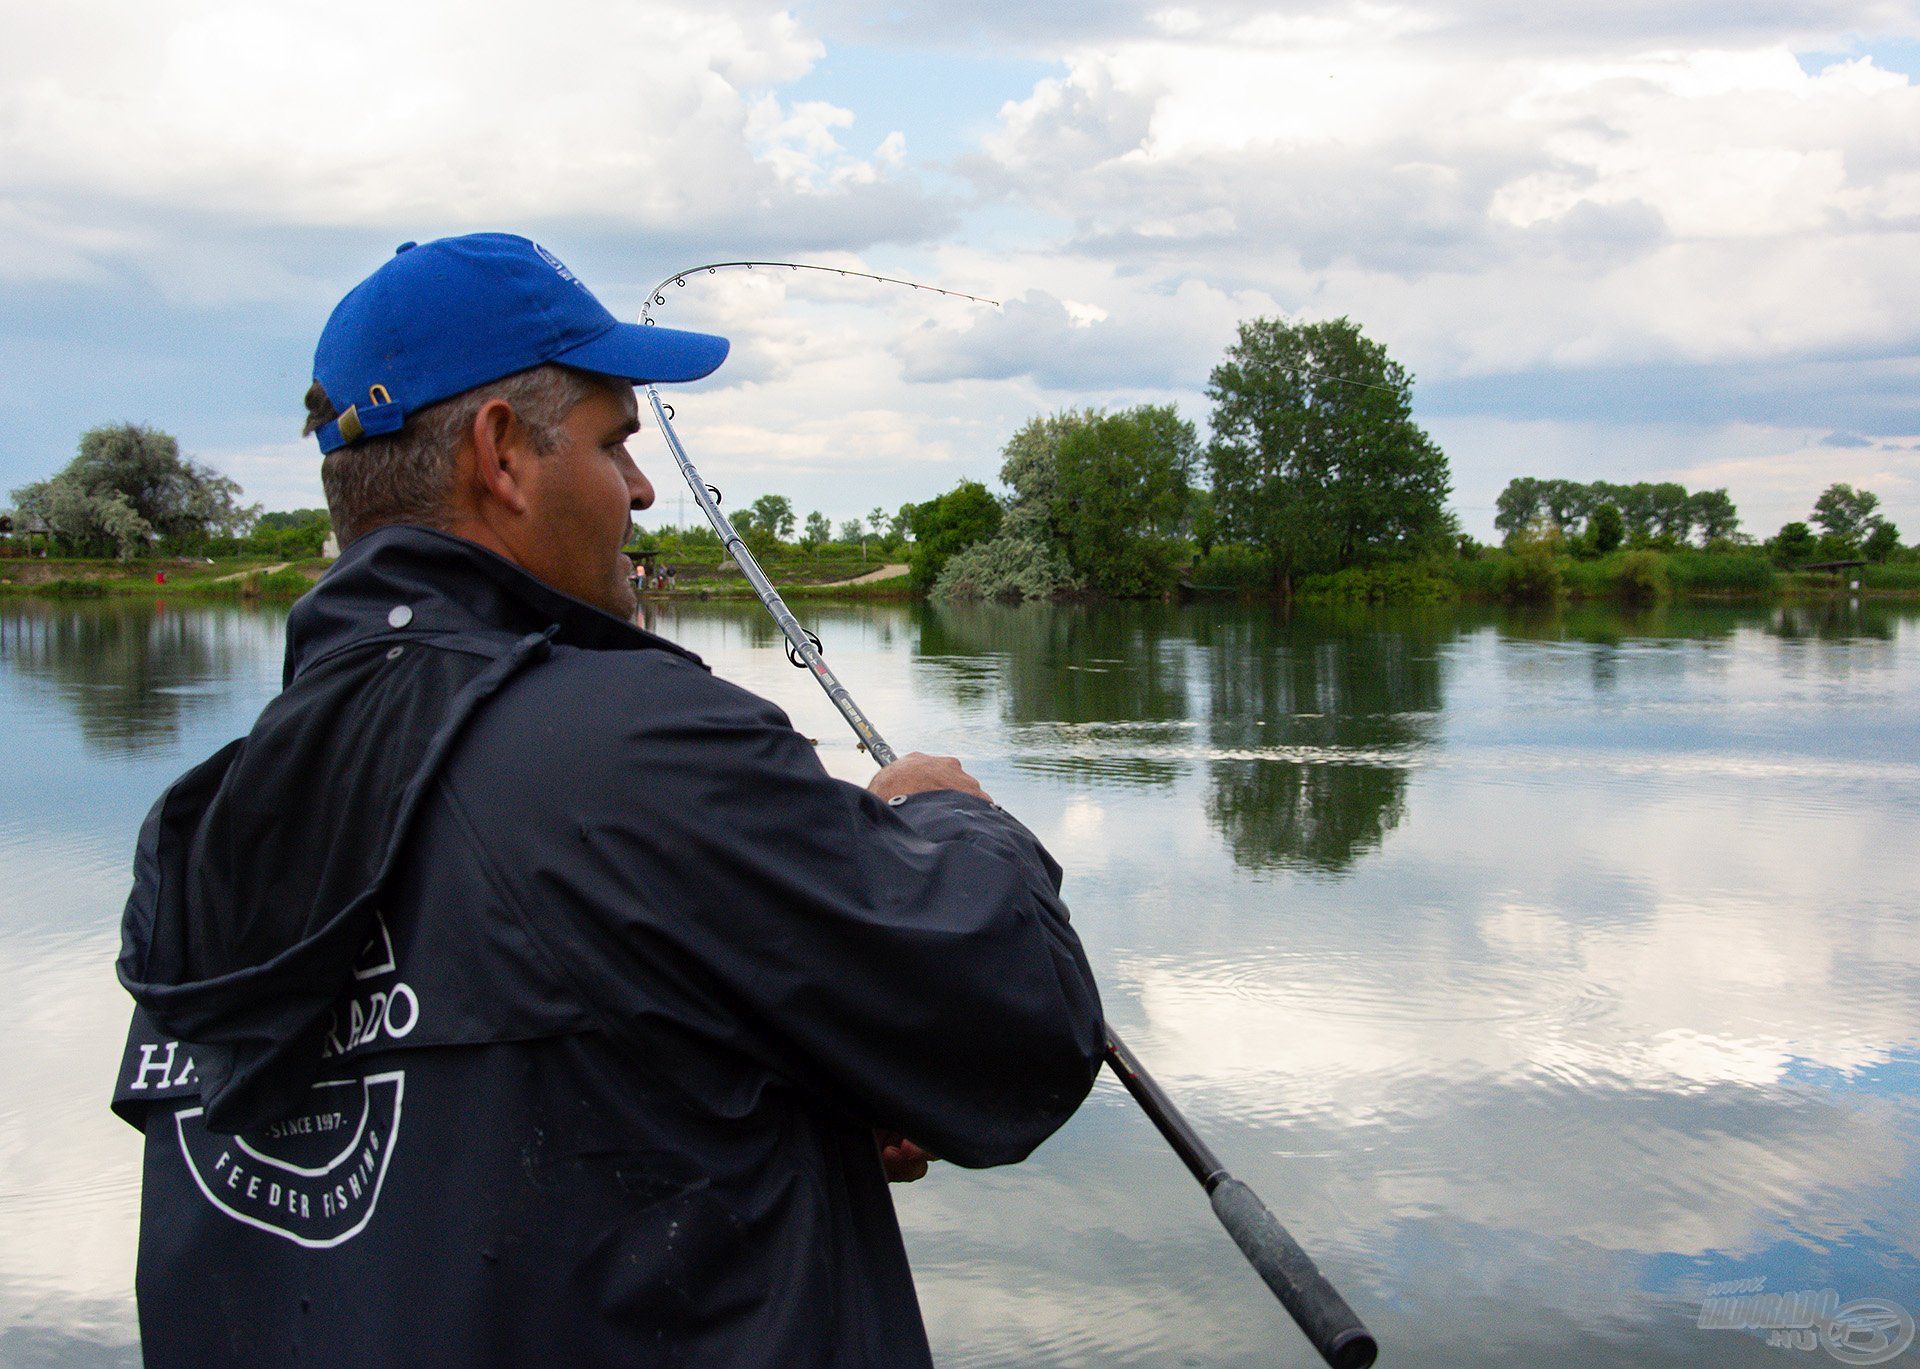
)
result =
(1333, 1327)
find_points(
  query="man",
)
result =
(447, 1053)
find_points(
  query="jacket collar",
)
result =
(417, 581)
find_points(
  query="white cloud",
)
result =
(1494, 210)
(445, 117)
(1642, 188)
(281, 475)
(1781, 481)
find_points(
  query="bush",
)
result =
(64, 589)
(1006, 566)
(1891, 575)
(1531, 575)
(948, 525)
(1590, 579)
(1728, 572)
(1233, 565)
(1474, 576)
(1397, 582)
(285, 583)
(1641, 578)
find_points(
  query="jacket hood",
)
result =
(258, 874)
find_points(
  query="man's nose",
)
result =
(639, 488)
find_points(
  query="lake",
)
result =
(1541, 972)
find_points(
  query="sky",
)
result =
(1627, 242)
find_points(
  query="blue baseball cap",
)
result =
(442, 317)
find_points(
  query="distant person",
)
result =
(449, 1052)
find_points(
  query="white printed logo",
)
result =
(314, 1177)
(558, 265)
(376, 957)
(387, 1014)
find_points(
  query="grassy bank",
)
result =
(797, 573)
(82, 578)
(1532, 576)
(1538, 576)
(1639, 577)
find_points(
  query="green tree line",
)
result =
(1314, 465)
(1596, 518)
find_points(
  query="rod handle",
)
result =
(1336, 1332)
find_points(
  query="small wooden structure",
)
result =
(1839, 570)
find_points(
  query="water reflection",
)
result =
(1613, 996)
(1096, 694)
(1315, 720)
(1835, 620)
(132, 672)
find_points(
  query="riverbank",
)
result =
(798, 574)
(1492, 577)
(90, 578)
(1636, 577)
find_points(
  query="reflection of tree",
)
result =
(1064, 671)
(1834, 620)
(1607, 624)
(131, 671)
(1321, 817)
(1311, 720)
(1071, 663)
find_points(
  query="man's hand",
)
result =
(916, 773)
(902, 1159)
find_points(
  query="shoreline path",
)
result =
(891, 570)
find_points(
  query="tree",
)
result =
(1518, 506)
(901, 523)
(128, 486)
(818, 530)
(1794, 544)
(1202, 522)
(293, 518)
(1120, 496)
(1882, 542)
(1025, 558)
(877, 522)
(773, 515)
(1606, 529)
(301, 532)
(853, 530)
(1846, 515)
(1668, 508)
(948, 524)
(1714, 516)
(1315, 456)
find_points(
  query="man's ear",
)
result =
(503, 456)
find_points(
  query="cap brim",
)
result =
(647, 355)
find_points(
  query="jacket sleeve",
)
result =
(911, 962)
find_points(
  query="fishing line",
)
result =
(657, 297)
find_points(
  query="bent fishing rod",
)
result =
(1333, 1327)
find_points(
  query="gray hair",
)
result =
(406, 477)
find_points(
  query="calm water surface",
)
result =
(1539, 972)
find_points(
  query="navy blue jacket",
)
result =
(517, 992)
